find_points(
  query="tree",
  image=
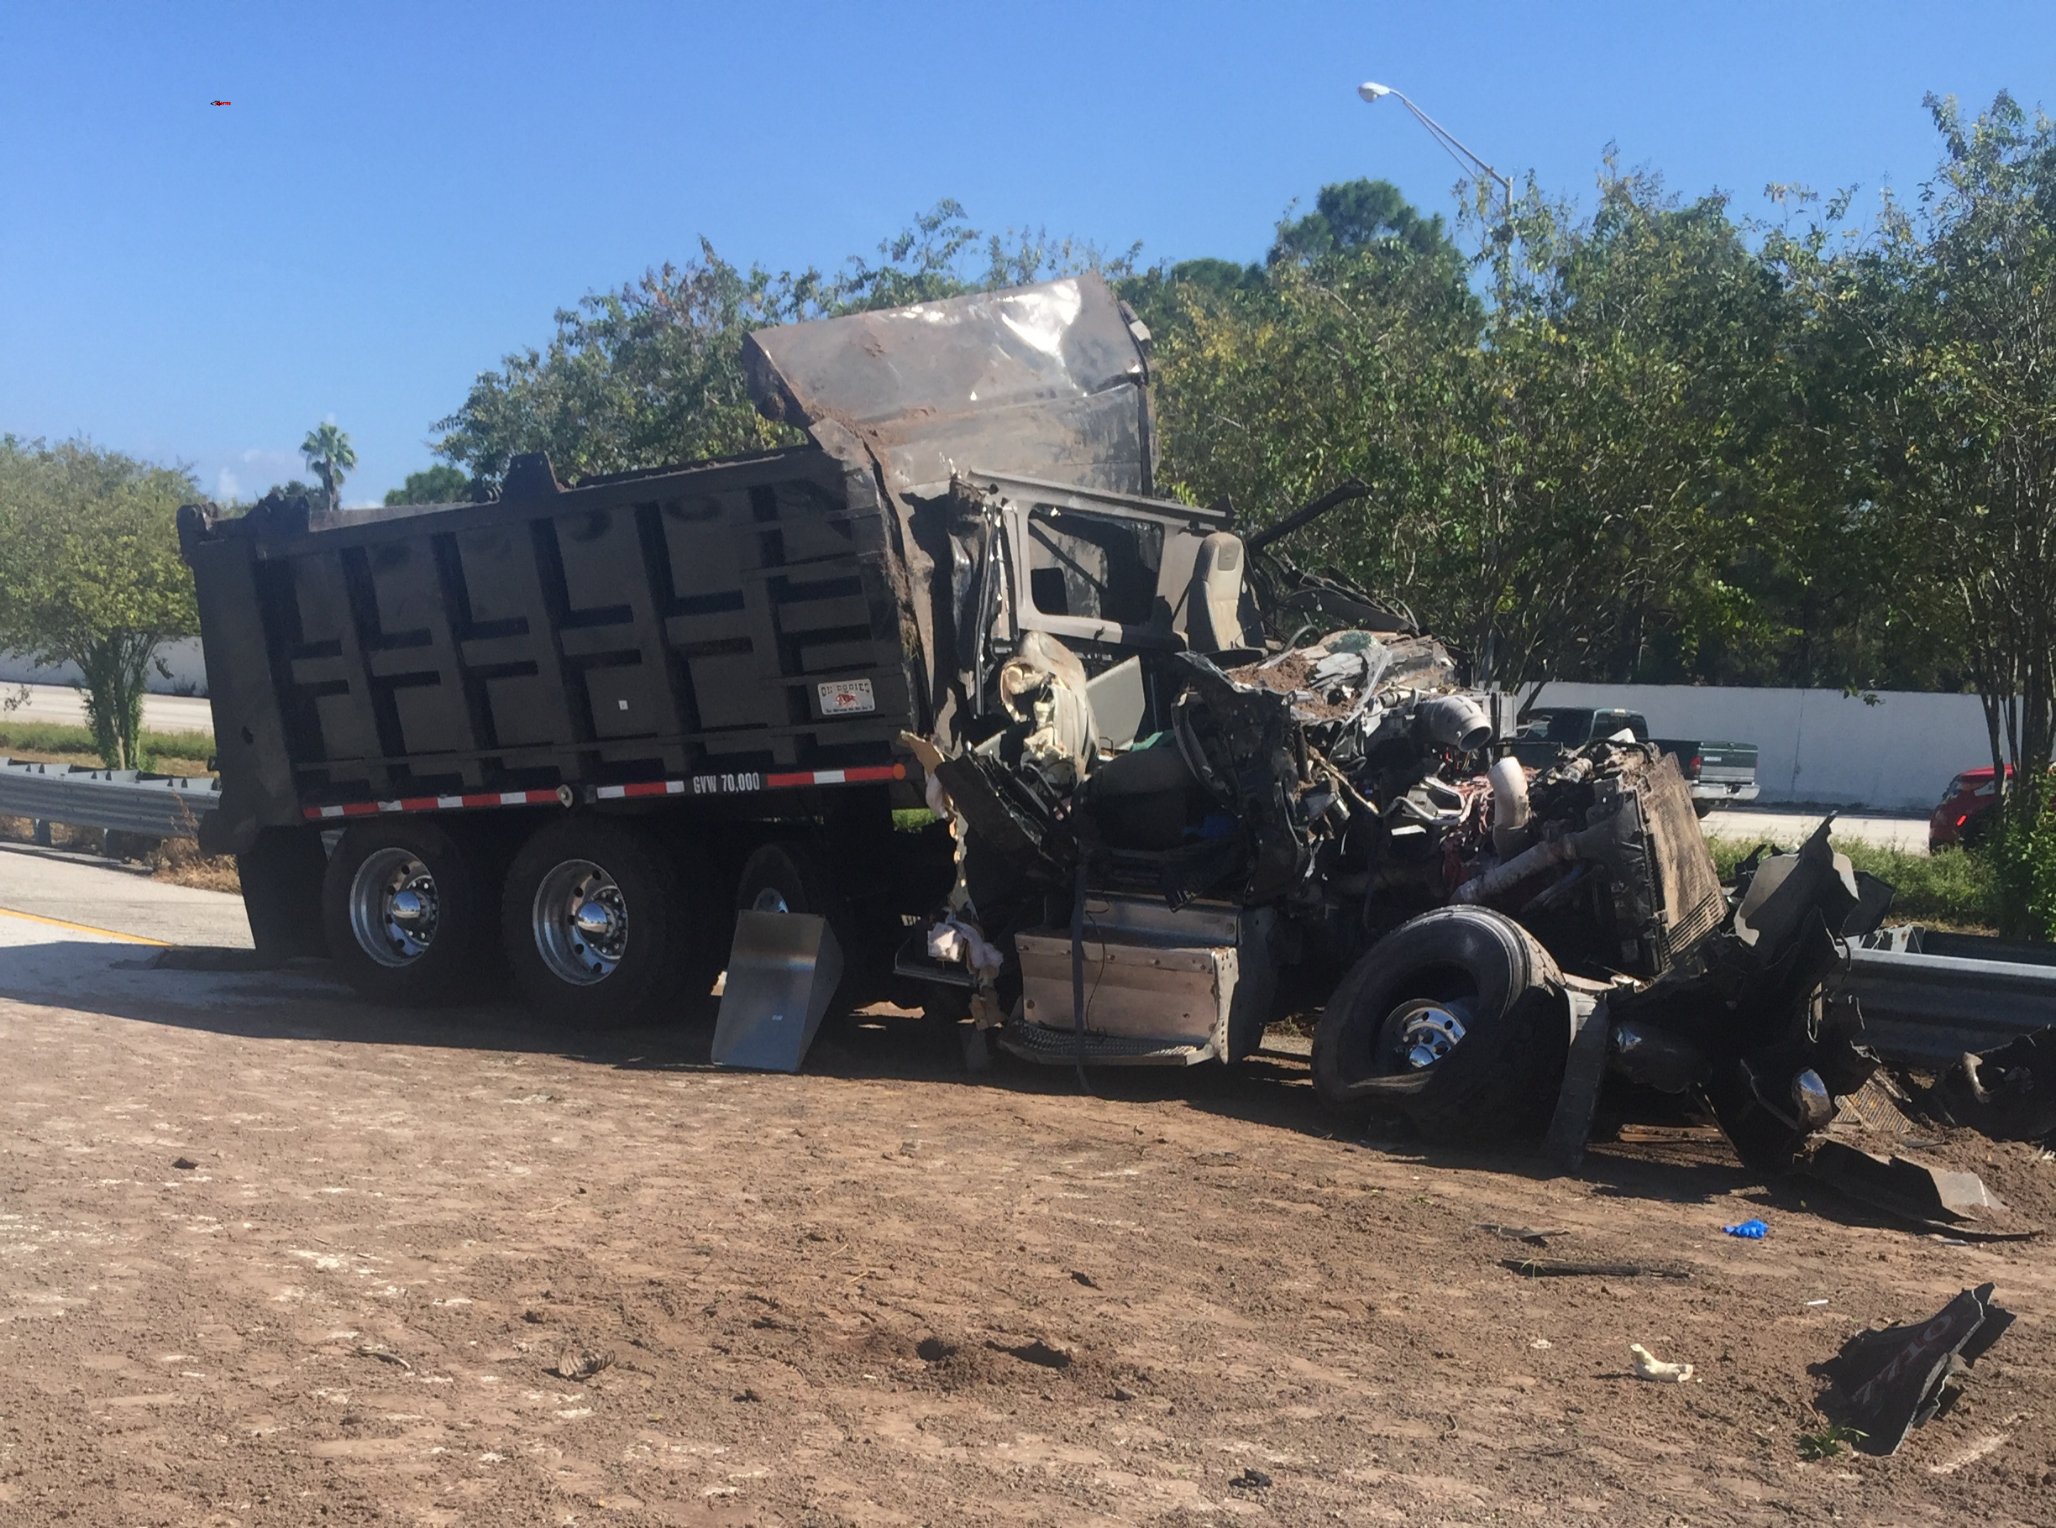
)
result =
(1355, 364)
(90, 574)
(1945, 322)
(330, 457)
(1354, 214)
(1574, 480)
(1637, 372)
(440, 484)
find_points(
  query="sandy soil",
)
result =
(268, 1258)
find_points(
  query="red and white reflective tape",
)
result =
(559, 796)
(753, 780)
(698, 785)
(863, 774)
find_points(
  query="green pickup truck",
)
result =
(1718, 773)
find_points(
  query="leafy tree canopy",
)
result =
(1354, 215)
(440, 484)
(90, 573)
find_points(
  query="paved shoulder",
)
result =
(56, 891)
(1789, 826)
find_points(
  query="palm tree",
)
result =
(331, 457)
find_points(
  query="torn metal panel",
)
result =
(1563, 1144)
(1886, 1383)
(1050, 379)
(1929, 1198)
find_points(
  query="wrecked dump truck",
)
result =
(1182, 787)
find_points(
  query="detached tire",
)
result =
(406, 910)
(601, 930)
(1454, 1020)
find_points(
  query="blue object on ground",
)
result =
(1753, 1230)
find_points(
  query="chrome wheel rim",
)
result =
(1421, 1031)
(394, 907)
(580, 921)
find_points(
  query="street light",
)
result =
(1370, 90)
(1373, 92)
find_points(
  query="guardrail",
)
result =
(1929, 997)
(120, 800)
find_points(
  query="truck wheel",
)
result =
(792, 877)
(407, 912)
(599, 928)
(1455, 1021)
(1703, 808)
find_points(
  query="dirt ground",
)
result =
(270, 1257)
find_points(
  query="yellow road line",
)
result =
(85, 928)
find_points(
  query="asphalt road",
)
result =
(51, 895)
(1786, 826)
(60, 704)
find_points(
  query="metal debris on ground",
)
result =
(2008, 1093)
(582, 1365)
(1533, 1235)
(1536, 1268)
(1889, 1382)
(1952, 1203)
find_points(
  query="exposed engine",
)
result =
(1301, 815)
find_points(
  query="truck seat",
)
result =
(1213, 620)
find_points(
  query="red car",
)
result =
(1962, 816)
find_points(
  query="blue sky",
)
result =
(399, 194)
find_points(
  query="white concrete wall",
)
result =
(1816, 746)
(188, 672)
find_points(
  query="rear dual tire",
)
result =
(406, 915)
(602, 929)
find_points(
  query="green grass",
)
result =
(74, 744)
(1830, 1441)
(1954, 887)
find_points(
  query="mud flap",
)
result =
(1584, 1069)
(782, 973)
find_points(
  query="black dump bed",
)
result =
(725, 627)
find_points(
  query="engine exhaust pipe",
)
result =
(1511, 814)
(1455, 721)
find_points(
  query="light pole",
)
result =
(1370, 90)
(1500, 501)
